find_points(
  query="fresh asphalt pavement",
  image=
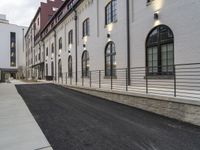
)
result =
(76, 121)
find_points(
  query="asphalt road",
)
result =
(76, 121)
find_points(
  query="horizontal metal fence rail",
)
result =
(183, 81)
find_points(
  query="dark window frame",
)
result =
(60, 44)
(157, 42)
(85, 64)
(70, 67)
(59, 68)
(110, 67)
(86, 27)
(111, 12)
(70, 37)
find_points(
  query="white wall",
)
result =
(181, 16)
(5, 30)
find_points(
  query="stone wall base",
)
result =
(180, 109)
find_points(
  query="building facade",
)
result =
(12, 56)
(34, 45)
(108, 35)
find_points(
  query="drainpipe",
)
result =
(76, 43)
(55, 51)
(128, 42)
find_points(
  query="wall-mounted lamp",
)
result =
(156, 16)
(69, 52)
(108, 35)
(84, 46)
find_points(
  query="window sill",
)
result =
(158, 77)
(109, 77)
(106, 25)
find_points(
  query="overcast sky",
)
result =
(19, 12)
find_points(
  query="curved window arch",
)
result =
(85, 64)
(110, 60)
(111, 12)
(160, 51)
(86, 28)
(70, 66)
(47, 73)
(52, 69)
(59, 68)
(60, 43)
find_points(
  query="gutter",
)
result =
(55, 51)
(76, 43)
(128, 43)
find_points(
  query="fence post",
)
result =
(126, 79)
(111, 80)
(90, 79)
(146, 77)
(66, 78)
(174, 81)
(62, 78)
(71, 80)
(82, 80)
(99, 78)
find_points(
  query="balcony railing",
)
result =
(182, 82)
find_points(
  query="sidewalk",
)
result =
(18, 129)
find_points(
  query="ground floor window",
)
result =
(70, 66)
(110, 59)
(160, 51)
(59, 68)
(85, 64)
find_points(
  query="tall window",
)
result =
(70, 37)
(47, 73)
(12, 49)
(59, 68)
(111, 12)
(70, 66)
(86, 29)
(160, 51)
(52, 69)
(110, 61)
(85, 64)
(47, 51)
(52, 48)
(60, 44)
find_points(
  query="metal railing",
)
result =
(182, 81)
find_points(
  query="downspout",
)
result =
(55, 51)
(76, 44)
(128, 43)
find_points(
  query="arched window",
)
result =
(111, 12)
(52, 48)
(60, 43)
(110, 61)
(85, 64)
(59, 68)
(86, 28)
(70, 66)
(160, 51)
(52, 69)
(47, 70)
